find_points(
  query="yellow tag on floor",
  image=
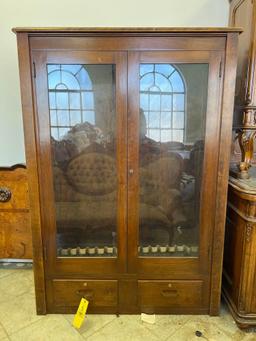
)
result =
(80, 314)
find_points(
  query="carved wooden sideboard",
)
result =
(15, 231)
(239, 273)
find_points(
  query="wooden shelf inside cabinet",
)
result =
(127, 131)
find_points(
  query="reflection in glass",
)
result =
(162, 89)
(82, 123)
(173, 102)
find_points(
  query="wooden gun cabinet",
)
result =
(127, 140)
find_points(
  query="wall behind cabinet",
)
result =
(81, 13)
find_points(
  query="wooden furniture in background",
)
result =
(15, 227)
(243, 14)
(162, 192)
(240, 242)
(239, 273)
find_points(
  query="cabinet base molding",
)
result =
(243, 321)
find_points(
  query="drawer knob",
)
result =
(5, 194)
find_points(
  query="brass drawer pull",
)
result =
(85, 293)
(5, 194)
(169, 293)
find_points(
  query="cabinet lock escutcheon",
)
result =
(5, 194)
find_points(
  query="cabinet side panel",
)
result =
(32, 166)
(223, 169)
(233, 254)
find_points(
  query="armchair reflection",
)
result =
(85, 194)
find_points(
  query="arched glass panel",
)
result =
(54, 79)
(146, 68)
(177, 82)
(146, 81)
(84, 79)
(163, 83)
(70, 81)
(162, 102)
(71, 98)
(165, 69)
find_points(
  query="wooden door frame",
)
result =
(79, 266)
(183, 267)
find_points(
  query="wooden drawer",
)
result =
(173, 294)
(99, 293)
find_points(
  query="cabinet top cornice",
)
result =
(127, 30)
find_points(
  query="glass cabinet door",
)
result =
(172, 108)
(173, 100)
(83, 144)
(84, 138)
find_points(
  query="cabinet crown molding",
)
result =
(127, 30)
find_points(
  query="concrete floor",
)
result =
(18, 320)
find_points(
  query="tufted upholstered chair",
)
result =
(85, 193)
